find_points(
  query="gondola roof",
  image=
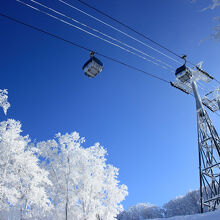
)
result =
(93, 59)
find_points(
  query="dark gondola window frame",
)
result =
(96, 60)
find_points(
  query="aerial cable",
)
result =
(83, 30)
(94, 35)
(106, 35)
(84, 48)
(87, 49)
(137, 32)
(122, 32)
(130, 28)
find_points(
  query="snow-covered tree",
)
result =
(211, 6)
(84, 186)
(4, 100)
(183, 205)
(141, 211)
(22, 181)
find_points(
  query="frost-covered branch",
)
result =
(58, 178)
(22, 181)
(216, 34)
(84, 186)
(213, 5)
(4, 100)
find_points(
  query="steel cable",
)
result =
(116, 29)
(83, 30)
(106, 35)
(87, 49)
(130, 28)
(137, 32)
(84, 48)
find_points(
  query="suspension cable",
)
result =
(116, 29)
(87, 49)
(137, 32)
(84, 48)
(83, 30)
(106, 35)
(130, 28)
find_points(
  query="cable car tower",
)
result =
(208, 139)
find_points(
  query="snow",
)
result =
(206, 216)
(214, 4)
(84, 186)
(4, 100)
(55, 179)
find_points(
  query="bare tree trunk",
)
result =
(66, 210)
(67, 188)
(98, 217)
(21, 217)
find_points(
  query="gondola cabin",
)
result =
(92, 67)
(183, 74)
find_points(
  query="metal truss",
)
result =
(209, 165)
(209, 155)
(208, 139)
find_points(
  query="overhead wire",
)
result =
(83, 47)
(87, 49)
(96, 35)
(106, 35)
(130, 28)
(137, 32)
(118, 30)
(83, 30)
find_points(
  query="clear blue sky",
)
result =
(147, 127)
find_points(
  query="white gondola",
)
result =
(183, 74)
(93, 66)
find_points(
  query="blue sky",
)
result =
(147, 127)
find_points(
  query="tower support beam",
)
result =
(209, 155)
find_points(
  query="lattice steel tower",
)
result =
(208, 139)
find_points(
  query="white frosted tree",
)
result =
(183, 205)
(212, 6)
(84, 186)
(4, 100)
(22, 181)
(142, 211)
